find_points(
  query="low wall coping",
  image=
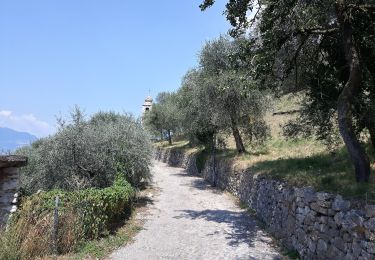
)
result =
(7, 161)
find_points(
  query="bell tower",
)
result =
(147, 105)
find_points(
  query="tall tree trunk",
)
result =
(169, 137)
(345, 101)
(237, 137)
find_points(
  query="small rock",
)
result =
(370, 247)
(317, 208)
(339, 243)
(370, 211)
(311, 245)
(339, 218)
(332, 223)
(323, 196)
(370, 224)
(339, 204)
(356, 248)
(13, 209)
(323, 220)
(365, 256)
(303, 211)
(334, 253)
(324, 199)
(331, 212)
(321, 227)
(349, 220)
(321, 246)
(333, 232)
(370, 236)
(348, 257)
(310, 218)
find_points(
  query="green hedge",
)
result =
(86, 214)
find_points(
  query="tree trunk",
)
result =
(169, 137)
(237, 137)
(345, 102)
(371, 129)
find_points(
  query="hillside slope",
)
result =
(11, 139)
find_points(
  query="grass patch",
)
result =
(326, 171)
(99, 249)
(243, 205)
(302, 162)
(292, 254)
(305, 162)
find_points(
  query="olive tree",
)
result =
(88, 153)
(236, 102)
(164, 116)
(308, 39)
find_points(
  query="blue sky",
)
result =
(98, 54)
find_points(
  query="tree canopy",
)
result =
(219, 96)
(326, 48)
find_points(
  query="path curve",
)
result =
(190, 220)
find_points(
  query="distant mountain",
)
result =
(11, 139)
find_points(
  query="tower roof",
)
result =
(148, 102)
(148, 99)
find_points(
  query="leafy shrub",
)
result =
(86, 214)
(88, 153)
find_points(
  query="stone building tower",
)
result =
(147, 105)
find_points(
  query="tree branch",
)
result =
(362, 7)
(318, 30)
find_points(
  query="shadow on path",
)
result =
(242, 229)
(198, 183)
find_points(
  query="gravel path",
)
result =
(190, 220)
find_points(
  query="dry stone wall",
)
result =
(9, 183)
(318, 225)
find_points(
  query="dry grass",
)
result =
(303, 162)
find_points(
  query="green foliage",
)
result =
(201, 159)
(101, 248)
(292, 254)
(232, 94)
(325, 48)
(217, 97)
(88, 153)
(86, 214)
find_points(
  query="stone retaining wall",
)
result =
(9, 183)
(318, 225)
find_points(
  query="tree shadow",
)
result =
(198, 183)
(243, 229)
(182, 174)
(143, 201)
